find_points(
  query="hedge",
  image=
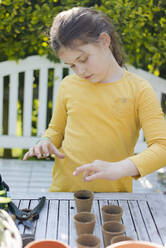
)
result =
(141, 24)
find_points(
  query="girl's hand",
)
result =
(100, 169)
(43, 149)
(107, 170)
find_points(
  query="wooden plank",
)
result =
(30, 63)
(58, 75)
(23, 204)
(1, 102)
(101, 204)
(8, 141)
(138, 221)
(13, 98)
(113, 202)
(127, 220)
(158, 210)
(42, 223)
(159, 95)
(33, 204)
(98, 196)
(28, 97)
(72, 232)
(156, 82)
(43, 88)
(52, 222)
(63, 221)
(149, 223)
(17, 203)
(98, 226)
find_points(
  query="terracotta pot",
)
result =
(46, 244)
(134, 244)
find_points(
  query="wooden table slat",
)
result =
(127, 220)
(33, 204)
(42, 223)
(23, 204)
(98, 196)
(101, 204)
(72, 234)
(113, 202)
(149, 223)
(52, 223)
(158, 210)
(138, 221)
(16, 202)
(98, 225)
(63, 221)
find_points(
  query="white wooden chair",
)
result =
(28, 66)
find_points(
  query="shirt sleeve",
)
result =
(56, 128)
(152, 121)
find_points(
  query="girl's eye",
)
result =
(84, 60)
(81, 61)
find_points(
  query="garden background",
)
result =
(24, 31)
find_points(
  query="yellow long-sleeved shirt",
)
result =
(102, 122)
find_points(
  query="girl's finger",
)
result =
(26, 156)
(55, 151)
(45, 151)
(82, 168)
(94, 176)
(38, 151)
(30, 153)
(85, 174)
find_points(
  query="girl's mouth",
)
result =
(88, 77)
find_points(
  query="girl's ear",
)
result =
(105, 39)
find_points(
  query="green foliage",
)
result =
(141, 24)
(24, 26)
(142, 28)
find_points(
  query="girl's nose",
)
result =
(81, 70)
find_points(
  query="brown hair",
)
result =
(85, 25)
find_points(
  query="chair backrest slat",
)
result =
(58, 75)
(159, 94)
(42, 113)
(28, 98)
(13, 100)
(1, 103)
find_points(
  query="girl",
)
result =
(99, 111)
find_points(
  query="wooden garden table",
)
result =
(144, 215)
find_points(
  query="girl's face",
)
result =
(90, 61)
